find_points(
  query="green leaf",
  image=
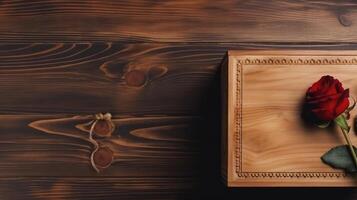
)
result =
(340, 157)
(342, 122)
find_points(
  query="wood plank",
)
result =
(37, 145)
(104, 77)
(96, 188)
(183, 21)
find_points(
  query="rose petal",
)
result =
(343, 103)
(331, 89)
(323, 114)
(325, 86)
(320, 99)
(338, 87)
(328, 85)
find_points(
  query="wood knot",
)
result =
(103, 157)
(344, 21)
(135, 78)
(104, 127)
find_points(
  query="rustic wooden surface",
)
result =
(183, 21)
(154, 65)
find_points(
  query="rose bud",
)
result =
(326, 100)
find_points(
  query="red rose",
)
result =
(326, 99)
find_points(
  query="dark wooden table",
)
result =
(154, 65)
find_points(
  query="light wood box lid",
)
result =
(265, 142)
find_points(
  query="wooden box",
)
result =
(265, 142)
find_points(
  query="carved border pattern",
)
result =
(321, 60)
(238, 118)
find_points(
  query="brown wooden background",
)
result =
(155, 66)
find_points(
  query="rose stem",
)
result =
(347, 138)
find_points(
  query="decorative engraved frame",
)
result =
(232, 67)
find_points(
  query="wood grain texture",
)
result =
(164, 106)
(91, 78)
(59, 147)
(269, 143)
(96, 188)
(155, 93)
(153, 65)
(184, 21)
(133, 79)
